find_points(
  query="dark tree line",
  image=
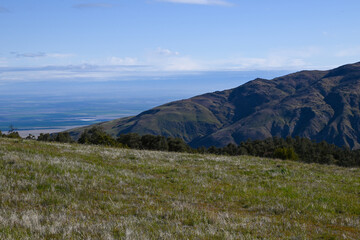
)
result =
(55, 137)
(302, 149)
(97, 136)
(299, 149)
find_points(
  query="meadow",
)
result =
(72, 191)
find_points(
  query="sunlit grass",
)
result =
(62, 191)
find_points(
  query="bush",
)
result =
(63, 137)
(97, 136)
(13, 135)
(132, 140)
(44, 137)
(152, 142)
(177, 145)
(286, 153)
(30, 137)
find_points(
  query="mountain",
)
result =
(320, 105)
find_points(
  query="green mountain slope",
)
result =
(64, 191)
(320, 105)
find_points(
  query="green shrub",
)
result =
(177, 145)
(152, 142)
(13, 135)
(97, 136)
(132, 140)
(286, 153)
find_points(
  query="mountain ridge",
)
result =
(320, 105)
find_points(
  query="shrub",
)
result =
(44, 137)
(97, 136)
(152, 142)
(286, 153)
(177, 145)
(132, 140)
(30, 137)
(13, 135)
(63, 137)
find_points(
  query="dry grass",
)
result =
(59, 191)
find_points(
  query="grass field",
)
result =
(63, 191)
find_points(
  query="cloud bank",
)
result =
(29, 55)
(41, 55)
(157, 61)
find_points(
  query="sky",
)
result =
(108, 39)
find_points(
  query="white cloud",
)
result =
(348, 52)
(163, 59)
(41, 55)
(159, 60)
(166, 52)
(123, 61)
(266, 63)
(285, 58)
(124, 68)
(304, 52)
(181, 64)
(70, 72)
(29, 55)
(200, 2)
(60, 55)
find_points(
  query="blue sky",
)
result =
(42, 39)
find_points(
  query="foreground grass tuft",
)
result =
(69, 191)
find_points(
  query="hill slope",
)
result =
(320, 105)
(62, 191)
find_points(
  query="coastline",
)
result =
(36, 132)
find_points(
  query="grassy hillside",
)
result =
(63, 191)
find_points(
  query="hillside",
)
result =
(64, 191)
(320, 105)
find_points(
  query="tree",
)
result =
(132, 140)
(13, 135)
(12, 128)
(63, 137)
(30, 137)
(96, 135)
(231, 149)
(152, 142)
(44, 137)
(286, 153)
(177, 145)
(213, 150)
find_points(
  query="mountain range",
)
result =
(320, 105)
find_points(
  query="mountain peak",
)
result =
(320, 105)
